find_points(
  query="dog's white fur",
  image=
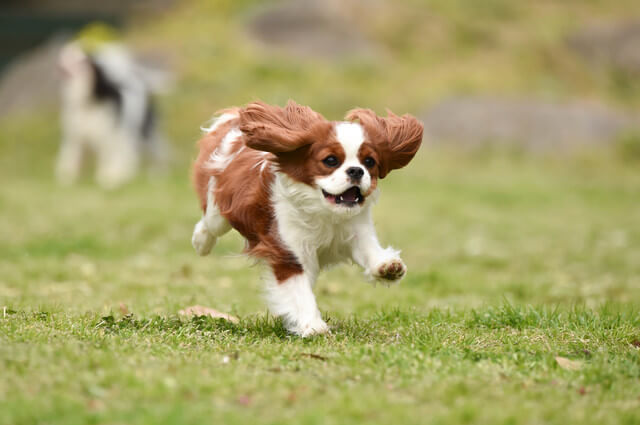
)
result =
(318, 232)
(90, 126)
(351, 136)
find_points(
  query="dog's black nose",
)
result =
(355, 173)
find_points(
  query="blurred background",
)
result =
(526, 187)
(548, 76)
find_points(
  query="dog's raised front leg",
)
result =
(383, 264)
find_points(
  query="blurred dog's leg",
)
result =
(118, 160)
(70, 159)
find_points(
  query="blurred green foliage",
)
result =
(425, 50)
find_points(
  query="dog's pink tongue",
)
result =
(351, 195)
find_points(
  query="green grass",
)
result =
(513, 260)
(491, 365)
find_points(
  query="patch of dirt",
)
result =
(533, 125)
(32, 79)
(612, 44)
(309, 28)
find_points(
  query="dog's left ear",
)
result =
(397, 138)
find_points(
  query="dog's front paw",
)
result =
(391, 270)
(314, 327)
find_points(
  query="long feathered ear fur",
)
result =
(397, 138)
(277, 130)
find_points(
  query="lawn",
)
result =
(521, 304)
(512, 262)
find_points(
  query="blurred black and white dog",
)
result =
(107, 111)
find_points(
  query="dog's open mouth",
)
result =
(349, 198)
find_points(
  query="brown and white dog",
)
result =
(300, 189)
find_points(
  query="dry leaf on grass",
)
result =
(95, 404)
(198, 310)
(567, 364)
(244, 400)
(313, 356)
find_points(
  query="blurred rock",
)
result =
(309, 28)
(529, 124)
(614, 44)
(31, 79)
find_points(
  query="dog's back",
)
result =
(225, 159)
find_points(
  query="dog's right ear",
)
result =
(397, 138)
(278, 130)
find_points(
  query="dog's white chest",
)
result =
(316, 237)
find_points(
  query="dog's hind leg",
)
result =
(210, 227)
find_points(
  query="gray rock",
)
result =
(308, 28)
(534, 125)
(613, 44)
(32, 79)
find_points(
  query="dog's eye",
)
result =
(331, 161)
(369, 162)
